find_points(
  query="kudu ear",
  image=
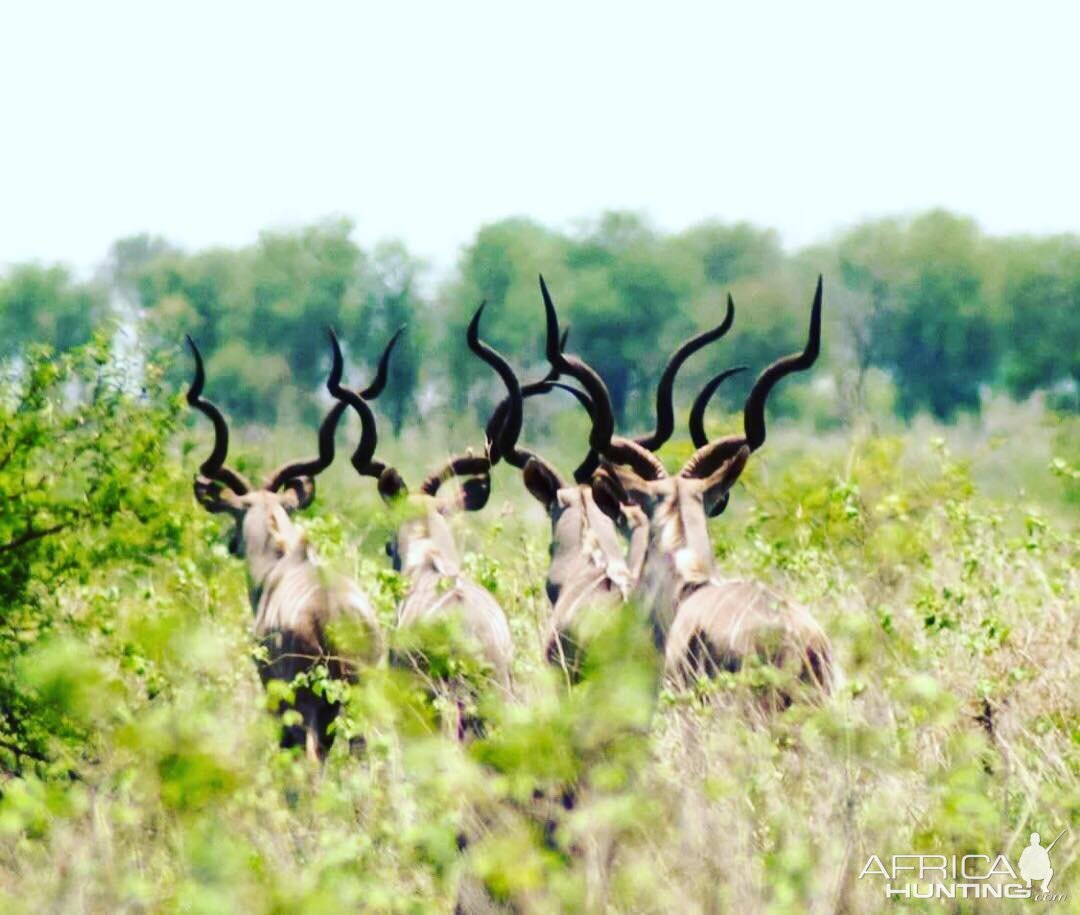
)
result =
(608, 494)
(391, 485)
(717, 509)
(299, 493)
(716, 485)
(471, 496)
(542, 482)
(475, 493)
(216, 497)
(615, 486)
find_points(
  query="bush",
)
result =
(141, 768)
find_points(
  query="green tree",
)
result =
(394, 302)
(47, 305)
(628, 304)
(716, 259)
(499, 267)
(930, 321)
(1041, 303)
(207, 295)
(127, 259)
(259, 313)
(869, 263)
(82, 484)
(303, 281)
(630, 293)
(725, 253)
(247, 384)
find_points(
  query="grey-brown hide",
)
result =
(296, 604)
(589, 568)
(423, 547)
(425, 553)
(306, 615)
(704, 621)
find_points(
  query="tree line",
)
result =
(925, 313)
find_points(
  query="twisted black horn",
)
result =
(754, 411)
(362, 457)
(374, 389)
(295, 469)
(509, 429)
(603, 427)
(665, 411)
(214, 466)
(701, 402)
(502, 439)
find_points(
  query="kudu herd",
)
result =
(625, 530)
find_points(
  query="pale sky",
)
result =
(206, 122)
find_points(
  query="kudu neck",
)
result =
(585, 543)
(678, 556)
(271, 539)
(427, 545)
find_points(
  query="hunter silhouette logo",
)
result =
(1035, 862)
(969, 876)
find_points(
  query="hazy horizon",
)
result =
(208, 125)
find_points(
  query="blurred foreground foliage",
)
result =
(140, 769)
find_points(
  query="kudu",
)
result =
(703, 622)
(296, 603)
(423, 549)
(590, 568)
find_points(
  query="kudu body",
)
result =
(296, 603)
(590, 568)
(423, 550)
(704, 622)
(425, 553)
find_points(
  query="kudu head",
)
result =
(665, 388)
(263, 531)
(677, 507)
(665, 413)
(425, 532)
(579, 529)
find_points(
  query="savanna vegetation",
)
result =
(918, 490)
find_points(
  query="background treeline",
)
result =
(924, 314)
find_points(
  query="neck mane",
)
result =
(429, 548)
(675, 562)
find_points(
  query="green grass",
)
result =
(950, 599)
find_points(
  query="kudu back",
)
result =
(297, 604)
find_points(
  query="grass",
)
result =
(950, 598)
